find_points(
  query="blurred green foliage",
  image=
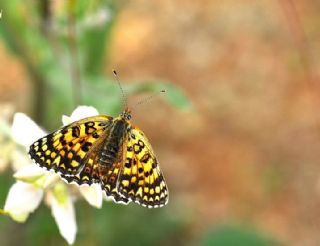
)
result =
(64, 48)
(114, 224)
(231, 235)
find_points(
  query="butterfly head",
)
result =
(126, 114)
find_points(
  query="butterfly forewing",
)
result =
(141, 179)
(65, 150)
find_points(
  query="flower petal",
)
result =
(79, 113)
(29, 173)
(63, 212)
(93, 194)
(22, 199)
(24, 130)
(66, 120)
(20, 159)
(51, 179)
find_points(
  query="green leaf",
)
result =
(103, 94)
(174, 95)
(177, 98)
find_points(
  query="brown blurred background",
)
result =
(248, 150)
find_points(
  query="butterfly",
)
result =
(108, 151)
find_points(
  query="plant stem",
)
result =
(74, 57)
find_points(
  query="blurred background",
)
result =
(237, 133)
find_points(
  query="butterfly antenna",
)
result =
(147, 99)
(124, 97)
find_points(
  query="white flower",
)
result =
(79, 113)
(7, 145)
(24, 130)
(93, 194)
(23, 199)
(34, 183)
(63, 212)
(30, 173)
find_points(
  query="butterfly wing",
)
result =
(66, 150)
(141, 179)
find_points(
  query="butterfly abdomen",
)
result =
(112, 145)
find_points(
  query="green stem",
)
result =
(73, 48)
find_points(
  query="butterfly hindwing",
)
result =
(141, 179)
(109, 181)
(110, 171)
(65, 151)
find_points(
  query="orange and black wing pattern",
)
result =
(72, 150)
(75, 152)
(141, 179)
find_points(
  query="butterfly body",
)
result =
(112, 146)
(105, 150)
